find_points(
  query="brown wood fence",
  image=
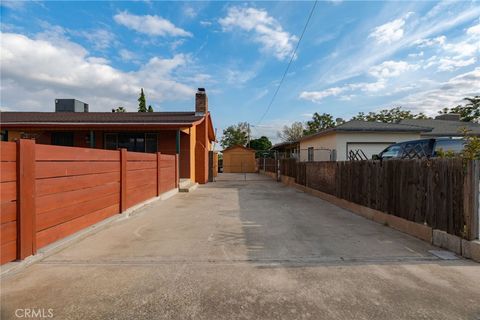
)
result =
(268, 164)
(440, 193)
(62, 190)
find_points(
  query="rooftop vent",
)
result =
(70, 105)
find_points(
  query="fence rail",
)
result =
(441, 193)
(49, 192)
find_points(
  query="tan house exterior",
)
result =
(239, 159)
(370, 137)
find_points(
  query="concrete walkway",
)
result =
(252, 249)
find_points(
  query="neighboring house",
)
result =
(188, 134)
(239, 159)
(367, 137)
(286, 149)
(445, 125)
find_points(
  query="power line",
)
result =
(289, 63)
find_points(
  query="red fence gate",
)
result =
(49, 192)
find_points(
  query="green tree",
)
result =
(468, 112)
(142, 104)
(291, 133)
(318, 123)
(393, 115)
(235, 135)
(150, 109)
(262, 143)
(119, 109)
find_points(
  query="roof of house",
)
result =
(370, 126)
(444, 127)
(284, 144)
(237, 147)
(99, 117)
(105, 119)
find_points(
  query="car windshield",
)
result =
(392, 151)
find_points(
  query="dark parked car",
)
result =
(423, 148)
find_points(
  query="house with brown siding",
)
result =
(188, 134)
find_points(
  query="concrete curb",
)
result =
(439, 238)
(16, 266)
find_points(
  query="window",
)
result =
(392, 151)
(150, 142)
(137, 142)
(417, 149)
(310, 154)
(62, 139)
(449, 145)
(111, 141)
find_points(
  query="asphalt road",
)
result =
(254, 249)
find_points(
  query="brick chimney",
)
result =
(201, 102)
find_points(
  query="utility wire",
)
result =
(289, 63)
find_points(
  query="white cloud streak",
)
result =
(446, 94)
(151, 25)
(391, 31)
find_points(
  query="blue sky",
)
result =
(355, 56)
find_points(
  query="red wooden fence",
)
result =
(49, 192)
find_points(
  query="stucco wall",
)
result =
(369, 142)
(328, 141)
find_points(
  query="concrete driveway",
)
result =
(252, 249)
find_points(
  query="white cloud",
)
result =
(391, 31)
(151, 25)
(416, 55)
(452, 55)
(266, 30)
(317, 96)
(368, 86)
(388, 69)
(205, 23)
(36, 71)
(13, 5)
(100, 39)
(239, 77)
(355, 60)
(189, 12)
(127, 55)
(474, 30)
(440, 41)
(446, 64)
(445, 94)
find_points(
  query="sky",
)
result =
(355, 57)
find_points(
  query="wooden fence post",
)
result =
(177, 175)
(158, 173)
(470, 199)
(123, 180)
(26, 227)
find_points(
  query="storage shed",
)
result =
(239, 159)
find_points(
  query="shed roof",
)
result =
(238, 147)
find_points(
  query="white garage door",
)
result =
(369, 149)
